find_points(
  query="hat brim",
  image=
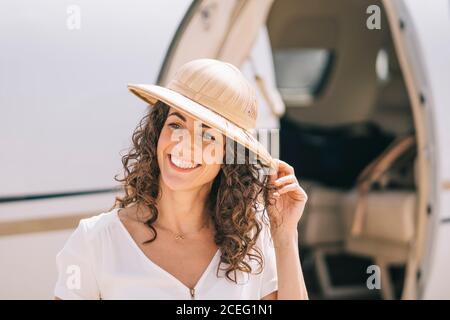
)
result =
(152, 93)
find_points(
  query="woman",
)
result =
(202, 217)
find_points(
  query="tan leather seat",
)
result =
(387, 232)
(389, 215)
(322, 230)
(321, 222)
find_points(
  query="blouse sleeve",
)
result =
(269, 278)
(76, 279)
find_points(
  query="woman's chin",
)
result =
(177, 183)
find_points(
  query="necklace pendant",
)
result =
(179, 237)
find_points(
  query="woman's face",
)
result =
(189, 152)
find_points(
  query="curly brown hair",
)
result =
(235, 199)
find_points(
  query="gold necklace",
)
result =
(182, 236)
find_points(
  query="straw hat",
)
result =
(215, 93)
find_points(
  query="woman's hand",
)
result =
(290, 200)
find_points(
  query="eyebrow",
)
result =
(179, 115)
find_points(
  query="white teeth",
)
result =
(182, 163)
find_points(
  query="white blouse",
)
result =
(100, 260)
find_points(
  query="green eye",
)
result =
(175, 125)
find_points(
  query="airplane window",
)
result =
(301, 73)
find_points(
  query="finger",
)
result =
(289, 188)
(300, 194)
(282, 169)
(273, 177)
(285, 167)
(286, 179)
(274, 173)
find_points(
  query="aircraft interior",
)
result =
(349, 132)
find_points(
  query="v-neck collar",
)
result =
(156, 266)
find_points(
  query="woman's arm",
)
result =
(291, 284)
(288, 209)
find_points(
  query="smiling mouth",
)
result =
(181, 164)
